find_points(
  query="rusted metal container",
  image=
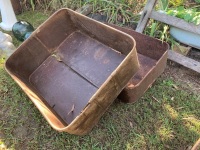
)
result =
(72, 68)
(152, 55)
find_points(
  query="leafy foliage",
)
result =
(189, 15)
(161, 31)
(176, 2)
(115, 10)
(197, 1)
(163, 4)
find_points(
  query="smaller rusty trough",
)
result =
(73, 68)
(152, 55)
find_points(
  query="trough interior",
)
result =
(149, 50)
(70, 77)
(146, 65)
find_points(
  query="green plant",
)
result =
(197, 1)
(116, 11)
(157, 30)
(189, 15)
(163, 4)
(161, 31)
(56, 4)
(176, 2)
(32, 4)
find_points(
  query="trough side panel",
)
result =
(105, 34)
(26, 59)
(55, 30)
(146, 45)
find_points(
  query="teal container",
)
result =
(22, 30)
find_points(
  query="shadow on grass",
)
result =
(164, 118)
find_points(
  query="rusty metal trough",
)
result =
(72, 68)
(152, 55)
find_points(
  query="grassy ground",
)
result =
(166, 117)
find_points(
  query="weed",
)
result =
(197, 1)
(32, 4)
(190, 15)
(117, 11)
(163, 4)
(176, 3)
(160, 30)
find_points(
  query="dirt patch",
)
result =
(21, 132)
(194, 54)
(188, 79)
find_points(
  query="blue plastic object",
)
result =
(186, 37)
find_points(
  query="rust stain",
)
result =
(99, 54)
(106, 61)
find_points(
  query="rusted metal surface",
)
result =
(83, 64)
(152, 54)
(72, 68)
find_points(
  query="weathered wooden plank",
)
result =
(183, 60)
(145, 15)
(174, 21)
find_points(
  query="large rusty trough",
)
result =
(72, 68)
(152, 55)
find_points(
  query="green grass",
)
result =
(117, 11)
(35, 18)
(166, 117)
